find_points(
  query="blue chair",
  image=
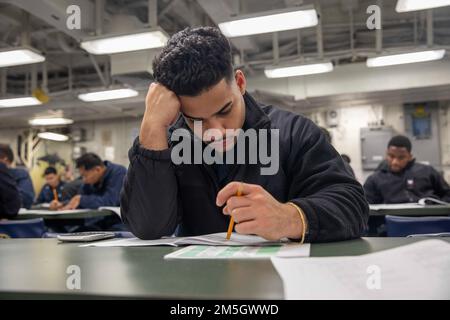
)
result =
(397, 226)
(32, 228)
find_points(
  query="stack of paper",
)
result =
(214, 239)
(416, 271)
(116, 210)
(216, 246)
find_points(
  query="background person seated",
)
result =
(53, 185)
(102, 182)
(9, 194)
(401, 180)
(21, 176)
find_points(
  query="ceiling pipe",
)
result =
(379, 32)
(299, 43)
(430, 31)
(319, 34)
(3, 79)
(152, 13)
(44, 77)
(25, 34)
(97, 69)
(275, 48)
(99, 8)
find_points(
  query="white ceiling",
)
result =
(64, 56)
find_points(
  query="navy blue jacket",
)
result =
(9, 194)
(158, 195)
(414, 182)
(25, 186)
(46, 194)
(107, 191)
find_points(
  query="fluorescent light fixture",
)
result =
(19, 56)
(125, 43)
(269, 22)
(403, 58)
(414, 5)
(108, 95)
(53, 136)
(19, 102)
(298, 70)
(49, 121)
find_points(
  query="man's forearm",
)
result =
(153, 136)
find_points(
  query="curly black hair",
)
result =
(194, 60)
(400, 142)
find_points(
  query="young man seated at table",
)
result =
(400, 179)
(102, 182)
(21, 176)
(53, 188)
(305, 193)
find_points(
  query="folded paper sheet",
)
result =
(416, 271)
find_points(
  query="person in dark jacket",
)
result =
(400, 179)
(21, 176)
(9, 194)
(310, 197)
(53, 185)
(102, 182)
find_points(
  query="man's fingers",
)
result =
(248, 227)
(244, 214)
(236, 202)
(232, 189)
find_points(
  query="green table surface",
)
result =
(36, 268)
(430, 210)
(64, 216)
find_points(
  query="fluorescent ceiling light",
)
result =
(402, 58)
(53, 136)
(108, 95)
(287, 20)
(298, 70)
(414, 5)
(49, 121)
(19, 56)
(19, 102)
(125, 43)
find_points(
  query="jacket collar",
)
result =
(255, 117)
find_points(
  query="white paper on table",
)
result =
(116, 210)
(240, 252)
(395, 206)
(43, 212)
(214, 239)
(416, 271)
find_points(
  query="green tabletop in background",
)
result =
(419, 211)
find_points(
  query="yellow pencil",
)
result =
(231, 225)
